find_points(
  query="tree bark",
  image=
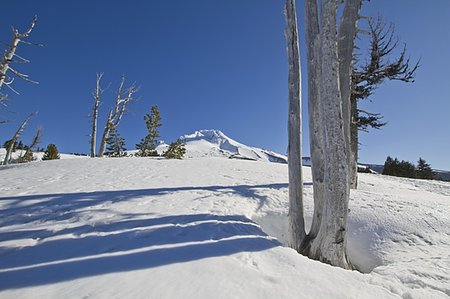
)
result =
(315, 119)
(346, 41)
(97, 94)
(296, 217)
(330, 244)
(14, 139)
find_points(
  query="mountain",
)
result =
(214, 143)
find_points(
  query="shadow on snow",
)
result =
(124, 245)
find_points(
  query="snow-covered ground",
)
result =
(207, 227)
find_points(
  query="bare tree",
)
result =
(123, 97)
(7, 73)
(16, 136)
(296, 217)
(97, 95)
(329, 73)
(330, 243)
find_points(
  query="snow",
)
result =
(208, 227)
(214, 143)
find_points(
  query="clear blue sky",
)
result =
(213, 64)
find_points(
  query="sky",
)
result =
(211, 64)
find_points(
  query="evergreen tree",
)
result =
(147, 146)
(388, 166)
(8, 143)
(27, 157)
(51, 153)
(176, 150)
(115, 144)
(20, 145)
(402, 168)
(424, 170)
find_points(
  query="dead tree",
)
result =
(123, 97)
(7, 73)
(329, 73)
(97, 95)
(16, 136)
(296, 217)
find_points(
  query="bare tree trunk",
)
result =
(354, 141)
(34, 142)
(296, 217)
(315, 119)
(97, 95)
(105, 135)
(116, 114)
(8, 56)
(346, 42)
(14, 139)
(330, 243)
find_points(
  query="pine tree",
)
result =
(176, 150)
(27, 157)
(20, 145)
(115, 144)
(424, 170)
(51, 153)
(8, 143)
(388, 166)
(147, 146)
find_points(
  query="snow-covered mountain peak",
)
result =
(215, 143)
(213, 136)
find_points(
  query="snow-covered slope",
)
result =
(207, 228)
(214, 143)
(37, 155)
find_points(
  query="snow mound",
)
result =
(214, 143)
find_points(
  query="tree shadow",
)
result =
(117, 247)
(64, 205)
(135, 241)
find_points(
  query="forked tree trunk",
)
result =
(330, 243)
(346, 42)
(315, 119)
(116, 113)
(296, 218)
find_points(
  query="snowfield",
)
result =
(208, 227)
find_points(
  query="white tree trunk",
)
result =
(330, 244)
(97, 94)
(346, 42)
(106, 130)
(316, 142)
(296, 217)
(14, 139)
(116, 114)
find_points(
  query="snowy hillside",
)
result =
(214, 143)
(37, 155)
(207, 228)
